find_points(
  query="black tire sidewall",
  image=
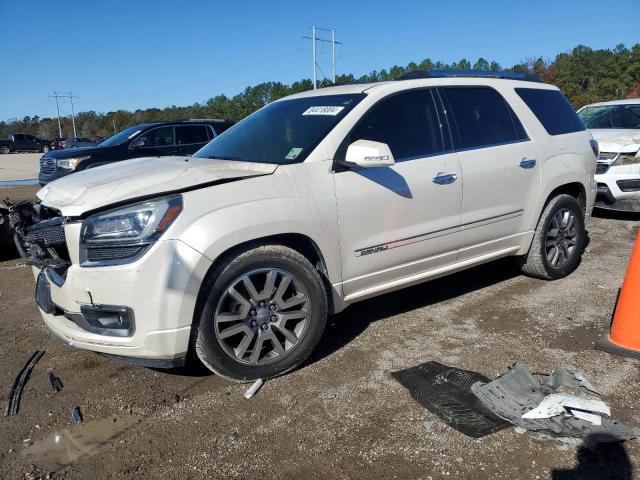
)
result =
(210, 351)
(568, 202)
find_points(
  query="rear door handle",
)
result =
(525, 163)
(445, 178)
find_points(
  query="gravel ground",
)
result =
(19, 166)
(341, 415)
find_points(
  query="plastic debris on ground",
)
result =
(253, 389)
(76, 414)
(522, 399)
(56, 383)
(446, 392)
(16, 391)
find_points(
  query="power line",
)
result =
(314, 38)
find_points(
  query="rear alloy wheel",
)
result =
(4, 150)
(264, 314)
(45, 149)
(558, 241)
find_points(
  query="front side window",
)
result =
(611, 116)
(191, 134)
(407, 122)
(552, 108)
(283, 132)
(158, 137)
(121, 137)
(482, 117)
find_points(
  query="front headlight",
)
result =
(627, 159)
(123, 235)
(71, 163)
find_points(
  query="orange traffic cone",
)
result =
(624, 336)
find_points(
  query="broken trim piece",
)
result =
(19, 383)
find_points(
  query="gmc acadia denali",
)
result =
(316, 201)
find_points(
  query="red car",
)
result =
(58, 143)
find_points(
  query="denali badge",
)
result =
(367, 251)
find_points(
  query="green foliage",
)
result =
(584, 75)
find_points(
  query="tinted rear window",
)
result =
(483, 117)
(552, 109)
(189, 134)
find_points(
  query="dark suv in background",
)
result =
(159, 139)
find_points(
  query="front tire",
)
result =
(558, 241)
(264, 312)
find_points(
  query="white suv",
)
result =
(616, 127)
(314, 202)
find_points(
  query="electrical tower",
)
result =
(314, 38)
(70, 96)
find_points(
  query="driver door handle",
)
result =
(445, 178)
(526, 163)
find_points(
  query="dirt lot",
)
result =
(341, 415)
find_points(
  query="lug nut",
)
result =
(273, 318)
(254, 324)
(265, 326)
(253, 312)
(272, 308)
(262, 304)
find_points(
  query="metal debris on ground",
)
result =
(56, 383)
(446, 392)
(253, 389)
(76, 414)
(517, 393)
(19, 383)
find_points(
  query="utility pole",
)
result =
(73, 115)
(333, 54)
(70, 96)
(313, 41)
(314, 38)
(55, 95)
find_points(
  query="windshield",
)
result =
(283, 132)
(121, 137)
(611, 116)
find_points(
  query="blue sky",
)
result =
(143, 53)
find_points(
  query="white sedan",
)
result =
(616, 127)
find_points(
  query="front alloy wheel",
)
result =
(262, 316)
(261, 313)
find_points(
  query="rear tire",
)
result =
(558, 241)
(274, 300)
(4, 150)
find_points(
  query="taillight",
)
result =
(594, 147)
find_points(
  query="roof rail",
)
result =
(206, 120)
(525, 77)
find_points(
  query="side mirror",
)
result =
(137, 143)
(367, 154)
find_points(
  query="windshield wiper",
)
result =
(218, 157)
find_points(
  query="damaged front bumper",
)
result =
(140, 312)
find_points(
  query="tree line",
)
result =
(585, 75)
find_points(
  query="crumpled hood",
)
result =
(98, 187)
(616, 140)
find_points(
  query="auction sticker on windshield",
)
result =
(323, 110)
